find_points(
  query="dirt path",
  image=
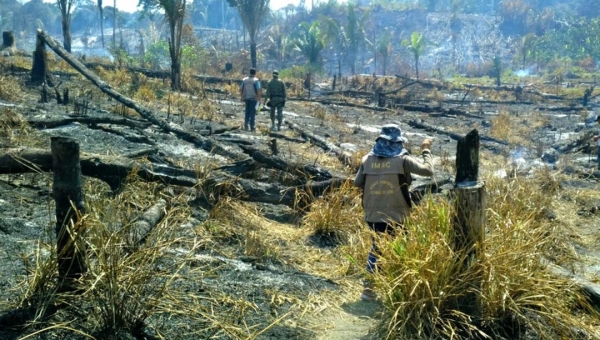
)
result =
(354, 320)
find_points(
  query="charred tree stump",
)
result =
(44, 94)
(587, 95)
(8, 39)
(68, 194)
(8, 47)
(39, 70)
(469, 220)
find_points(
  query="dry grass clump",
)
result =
(517, 128)
(425, 287)
(15, 131)
(125, 289)
(239, 224)
(337, 215)
(10, 88)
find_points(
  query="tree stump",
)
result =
(8, 47)
(39, 70)
(469, 221)
(68, 194)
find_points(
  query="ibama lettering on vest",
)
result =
(381, 165)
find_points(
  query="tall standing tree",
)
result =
(252, 13)
(174, 15)
(101, 21)
(66, 9)
(416, 44)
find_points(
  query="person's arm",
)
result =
(267, 87)
(424, 168)
(242, 91)
(284, 90)
(258, 90)
(359, 180)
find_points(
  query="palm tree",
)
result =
(174, 14)
(310, 40)
(416, 45)
(252, 13)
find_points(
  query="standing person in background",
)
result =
(276, 95)
(597, 140)
(385, 177)
(250, 92)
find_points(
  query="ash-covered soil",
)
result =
(273, 296)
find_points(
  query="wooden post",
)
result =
(68, 195)
(469, 221)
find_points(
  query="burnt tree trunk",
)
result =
(66, 28)
(469, 221)
(8, 39)
(68, 194)
(204, 143)
(39, 70)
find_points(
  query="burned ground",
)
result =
(244, 264)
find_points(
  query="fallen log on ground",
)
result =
(114, 171)
(198, 140)
(341, 103)
(141, 228)
(455, 136)
(326, 145)
(310, 171)
(89, 120)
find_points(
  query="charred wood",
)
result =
(326, 145)
(455, 136)
(56, 122)
(196, 139)
(275, 162)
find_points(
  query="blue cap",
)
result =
(392, 133)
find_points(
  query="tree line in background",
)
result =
(200, 34)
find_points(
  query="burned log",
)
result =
(114, 172)
(141, 228)
(87, 120)
(341, 103)
(196, 139)
(326, 145)
(275, 162)
(455, 136)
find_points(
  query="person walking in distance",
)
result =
(250, 92)
(276, 95)
(597, 140)
(385, 177)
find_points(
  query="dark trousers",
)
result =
(279, 109)
(378, 227)
(250, 114)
